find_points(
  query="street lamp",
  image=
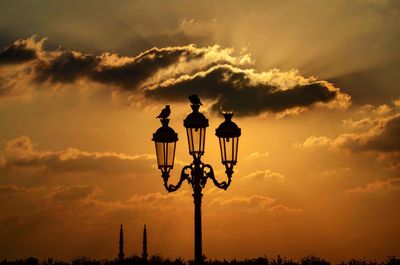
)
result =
(165, 139)
(197, 173)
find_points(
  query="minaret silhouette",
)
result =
(121, 253)
(144, 253)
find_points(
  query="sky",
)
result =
(315, 89)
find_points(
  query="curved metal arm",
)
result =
(171, 187)
(222, 185)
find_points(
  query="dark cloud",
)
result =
(172, 73)
(66, 67)
(244, 91)
(18, 52)
(382, 138)
(129, 75)
(385, 137)
(389, 139)
(378, 85)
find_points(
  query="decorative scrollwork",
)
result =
(184, 176)
(210, 174)
(197, 177)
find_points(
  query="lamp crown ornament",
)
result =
(164, 122)
(228, 128)
(165, 133)
(228, 116)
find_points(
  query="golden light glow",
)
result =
(315, 89)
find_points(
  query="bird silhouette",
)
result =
(194, 99)
(164, 113)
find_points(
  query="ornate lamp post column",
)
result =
(197, 173)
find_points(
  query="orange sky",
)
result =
(315, 89)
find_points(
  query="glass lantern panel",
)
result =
(229, 143)
(202, 139)
(222, 148)
(196, 133)
(236, 148)
(170, 154)
(165, 154)
(190, 139)
(160, 151)
(196, 140)
(229, 149)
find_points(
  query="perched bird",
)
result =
(164, 113)
(194, 99)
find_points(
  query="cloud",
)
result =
(314, 142)
(23, 148)
(133, 73)
(366, 122)
(261, 175)
(65, 194)
(333, 172)
(284, 209)
(256, 155)
(20, 148)
(243, 203)
(195, 28)
(165, 201)
(377, 135)
(79, 210)
(389, 184)
(125, 72)
(65, 67)
(397, 102)
(249, 92)
(74, 213)
(250, 205)
(22, 153)
(171, 73)
(21, 51)
(382, 137)
(12, 189)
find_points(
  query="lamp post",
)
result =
(197, 173)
